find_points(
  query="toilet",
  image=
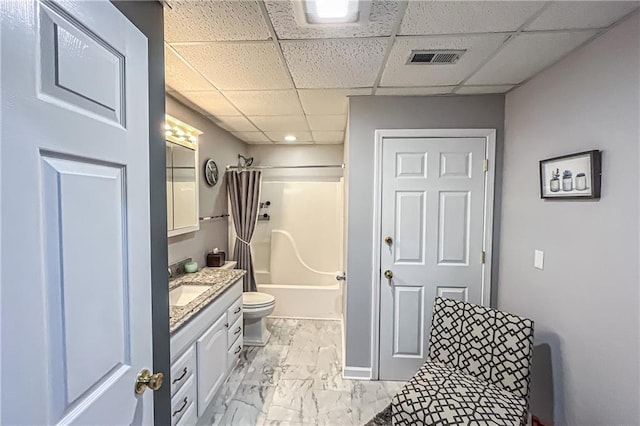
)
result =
(256, 306)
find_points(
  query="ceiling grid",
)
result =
(253, 69)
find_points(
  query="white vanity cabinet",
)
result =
(203, 353)
(211, 349)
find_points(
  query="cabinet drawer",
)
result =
(181, 401)
(182, 369)
(235, 311)
(233, 355)
(190, 416)
(234, 332)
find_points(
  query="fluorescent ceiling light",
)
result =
(290, 138)
(332, 8)
(331, 11)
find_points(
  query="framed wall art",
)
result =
(571, 176)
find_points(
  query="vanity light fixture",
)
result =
(290, 138)
(181, 133)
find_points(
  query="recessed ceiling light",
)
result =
(290, 138)
(331, 11)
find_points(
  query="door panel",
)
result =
(411, 164)
(76, 310)
(79, 67)
(453, 232)
(408, 334)
(410, 226)
(73, 191)
(432, 206)
(454, 293)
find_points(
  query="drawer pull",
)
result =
(238, 349)
(226, 325)
(184, 404)
(184, 373)
(238, 330)
(237, 309)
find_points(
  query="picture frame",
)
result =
(573, 176)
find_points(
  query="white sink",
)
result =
(184, 294)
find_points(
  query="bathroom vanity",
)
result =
(206, 338)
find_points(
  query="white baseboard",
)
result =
(357, 373)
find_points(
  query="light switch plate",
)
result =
(538, 259)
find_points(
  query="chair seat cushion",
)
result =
(441, 395)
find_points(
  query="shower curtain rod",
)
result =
(320, 166)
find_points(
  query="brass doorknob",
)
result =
(388, 240)
(147, 380)
(388, 274)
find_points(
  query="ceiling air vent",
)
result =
(434, 57)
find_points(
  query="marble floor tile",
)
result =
(248, 407)
(293, 402)
(296, 380)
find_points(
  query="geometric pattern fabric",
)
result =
(477, 372)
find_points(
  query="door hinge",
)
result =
(485, 166)
(484, 257)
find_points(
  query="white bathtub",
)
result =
(304, 301)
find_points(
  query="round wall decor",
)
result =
(211, 172)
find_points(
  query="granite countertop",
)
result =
(217, 279)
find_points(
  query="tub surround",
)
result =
(217, 279)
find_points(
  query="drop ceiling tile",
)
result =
(267, 102)
(328, 101)
(526, 55)
(398, 73)
(444, 17)
(327, 122)
(212, 102)
(328, 137)
(235, 124)
(179, 76)
(382, 17)
(414, 91)
(252, 137)
(238, 66)
(477, 90)
(581, 14)
(282, 123)
(301, 137)
(334, 63)
(190, 20)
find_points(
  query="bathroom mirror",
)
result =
(182, 178)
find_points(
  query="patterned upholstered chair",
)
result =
(477, 372)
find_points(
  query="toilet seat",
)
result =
(254, 299)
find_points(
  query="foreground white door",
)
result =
(432, 218)
(76, 286)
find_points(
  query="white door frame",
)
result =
(489, 184)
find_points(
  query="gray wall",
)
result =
(585, 301)
(148, 17)
(224, 148)
(296, 155)
(366, 114)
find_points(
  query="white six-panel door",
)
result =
(76, 286)
(432, 223)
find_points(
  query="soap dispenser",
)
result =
(216, 258)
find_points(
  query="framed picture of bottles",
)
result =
(571, 176)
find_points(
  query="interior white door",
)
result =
(76, 281)
(432, 230)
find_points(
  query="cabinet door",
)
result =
(212, 361)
